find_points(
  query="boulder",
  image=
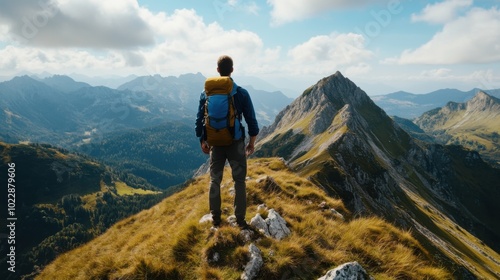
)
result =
(260, 224)
(206, 218)
(347, 271)
(277, 225)
(273, 226)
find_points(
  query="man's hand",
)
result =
(205, 147)
(249, 149)
(251, 146)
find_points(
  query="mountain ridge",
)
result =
(180, 245)
(362, 156)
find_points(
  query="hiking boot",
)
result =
(216, 221)
(243, 225)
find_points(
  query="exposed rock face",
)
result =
(347, 271)
(259, 223)
(253, 266)
(277, 225)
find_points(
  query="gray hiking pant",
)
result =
(235, 154)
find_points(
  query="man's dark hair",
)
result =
(225, 65)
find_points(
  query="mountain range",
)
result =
(156, 112)
(65, 112)
(338, 169)
(410, 106)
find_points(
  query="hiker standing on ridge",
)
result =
(218, 125)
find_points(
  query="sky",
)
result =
(383, 46)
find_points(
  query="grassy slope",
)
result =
(167, 242)
(475, 131)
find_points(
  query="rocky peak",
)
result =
(340, 90)
(314, 111)
(483, 102)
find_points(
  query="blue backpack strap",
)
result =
(239, 130)
(235, 89)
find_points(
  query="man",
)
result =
(235, 153)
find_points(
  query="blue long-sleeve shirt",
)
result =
(244, 106)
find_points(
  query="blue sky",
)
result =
(382, 45)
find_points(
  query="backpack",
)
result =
(222, 123)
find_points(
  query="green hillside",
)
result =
(63, 200)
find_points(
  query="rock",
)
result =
(337, 214)
(277, 225)
(323, 205)
(253, 266)
(260, 224)
(274, 226)
(216, 257)
(206, 218)
(347, 271)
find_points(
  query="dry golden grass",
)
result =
(167, 241)
(124, 189)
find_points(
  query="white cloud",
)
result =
(35, 60)
(483, 79)
(442, 12)
(284, 11)
(327, 53)
(63, 23)
(439, 73)
(187, 44)
(472, 38)
(184, 44)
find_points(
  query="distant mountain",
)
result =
(185, 91)
(64, 83)
(474, 124)
(111, 81)
(61, 200)
(33, 111)
(408, 105)
(338, 137)
(267, 104)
